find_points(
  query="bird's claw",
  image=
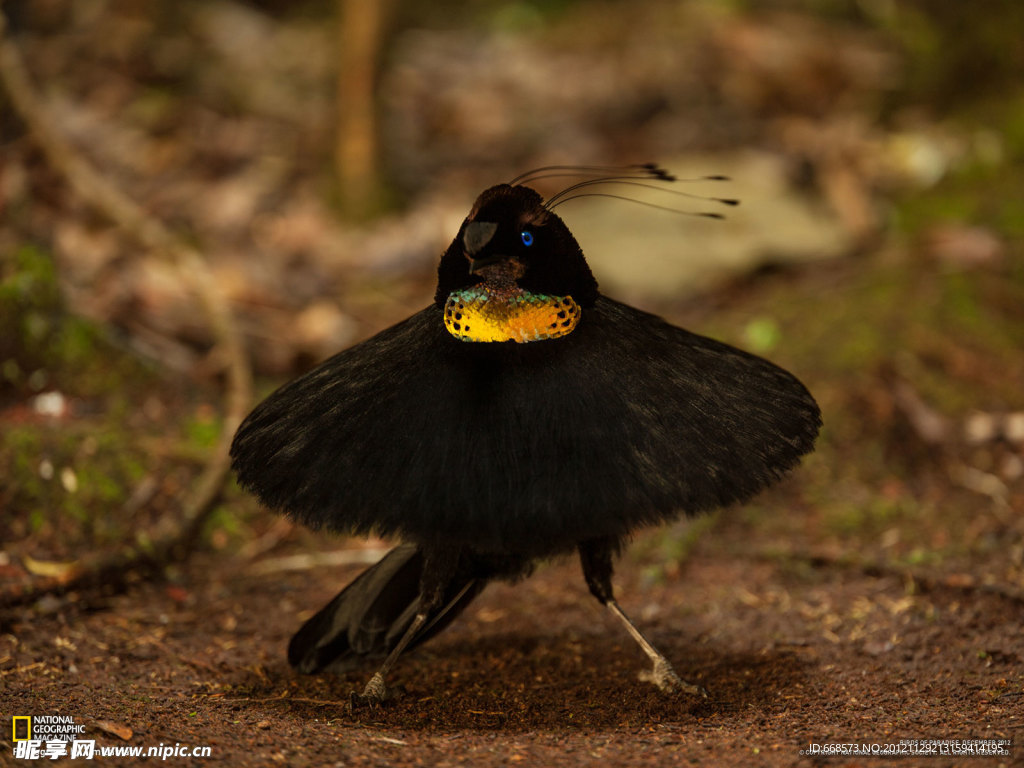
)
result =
(375, 692)
(663, 676)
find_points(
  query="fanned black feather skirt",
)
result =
(525, 448)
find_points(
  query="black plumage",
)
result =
(486, 455)
(371, 614)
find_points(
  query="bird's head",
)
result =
(512, 257)
(515, 272)
(510, 236)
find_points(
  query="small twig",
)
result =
(280, 529)
(930, 425)
(296, 699)
(305, 562)
(152, 233)
(925, 582)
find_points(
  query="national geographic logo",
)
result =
(45, 727)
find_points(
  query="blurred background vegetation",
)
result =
(320, 155)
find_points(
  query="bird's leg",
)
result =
(438, 570)
(596, 558)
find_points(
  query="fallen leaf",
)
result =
(61, 571)
(116, 729)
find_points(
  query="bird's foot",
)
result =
(375, 692)
(663, 676)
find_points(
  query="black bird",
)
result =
(521, 415)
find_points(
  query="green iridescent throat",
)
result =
(480, 293)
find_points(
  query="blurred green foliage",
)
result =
(873, 489)
(66, 480)
(44, 346)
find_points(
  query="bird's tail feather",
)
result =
(370, 616)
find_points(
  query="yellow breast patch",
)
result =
(474, 314)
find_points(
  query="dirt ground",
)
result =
(792, 651)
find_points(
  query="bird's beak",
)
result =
(475, 265)
(477, 235)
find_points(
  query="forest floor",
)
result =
(793, 652)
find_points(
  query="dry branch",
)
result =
(921, 580)
(123, 211)
(362, 28)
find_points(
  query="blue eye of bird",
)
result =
(527, 237)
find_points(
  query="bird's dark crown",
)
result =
(551, 260)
